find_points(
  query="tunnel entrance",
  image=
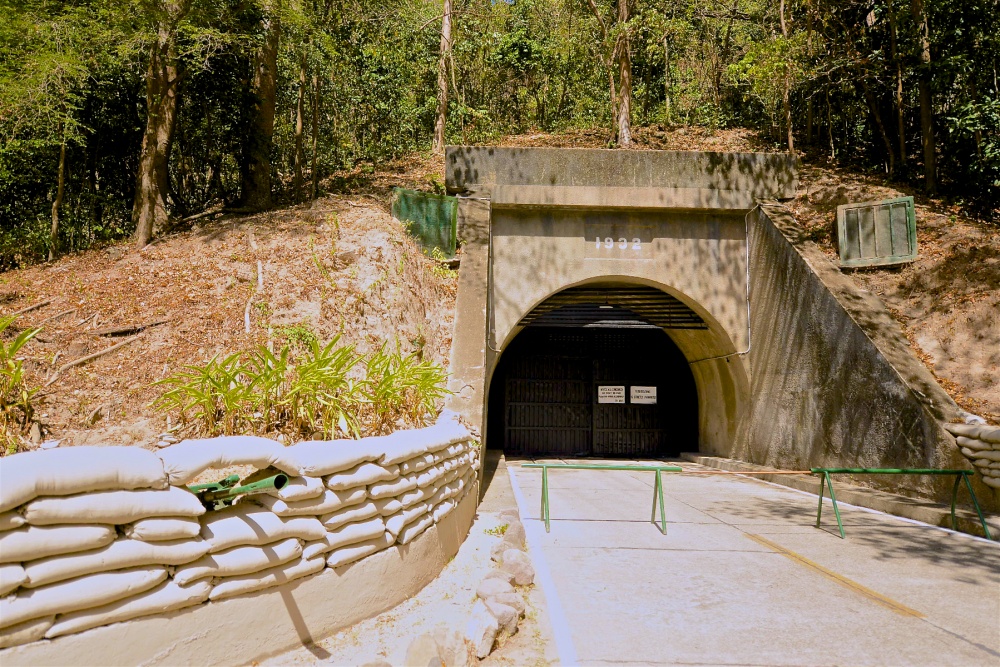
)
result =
(588, 376)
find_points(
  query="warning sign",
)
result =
(643, 395)
(611, 394)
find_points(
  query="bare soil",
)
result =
(340, 267)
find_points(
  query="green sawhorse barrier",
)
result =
(959, 476)
(657, 489)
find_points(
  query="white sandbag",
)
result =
(352, 514)
(274, 576)
(118, 555)
(245, 524)
(417, 463)
(345, 535)
(168, 596)
(442, 509)
(67, 470)
(411, 498)
(411, 530)
(408, 444)
(387, 506)
(395, 523)
(361, 475)
(92, 590)
(239, 560)
(29, 542)
(25, 633)
(12, 575)
(355, 552)
(11, 520)
(316, 458)
(394, 488)
(189, 458)
(115, 507)
(431, 476)
(163, 529)
(299, 488)
(330, 501)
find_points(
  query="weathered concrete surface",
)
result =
(734, 583)
(251, 627)
(833, 380)
(594, 178)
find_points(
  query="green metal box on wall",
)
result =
(877, 233)
(431, 218)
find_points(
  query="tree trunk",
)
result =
(666, 80)
(442, 94)
(809, 100)
(300, 156)
(786, 94)
(57, 202)
(873, 107)
(829, 125)
(149, 210)
(314, 172)
(624, 78)
(924, 87)
(256, 167)
(900, 111)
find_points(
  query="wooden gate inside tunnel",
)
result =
(587, 378)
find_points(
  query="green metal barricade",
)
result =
(431, 219)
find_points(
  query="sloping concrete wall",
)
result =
(832, 380)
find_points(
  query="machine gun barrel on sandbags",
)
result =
(217, 495)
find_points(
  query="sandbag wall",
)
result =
(91, 536)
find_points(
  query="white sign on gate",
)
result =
(611, 394)
(643, 395)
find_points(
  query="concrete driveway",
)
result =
(744, 578)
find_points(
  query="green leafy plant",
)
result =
(400, 387)
(16, 398)
(498, 531)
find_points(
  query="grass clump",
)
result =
(305, 389)
(16, 399)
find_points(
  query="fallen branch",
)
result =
(204, 214)
(88, 358)
(246, 313)
(128, 329)
(31, 308)
(56, 317)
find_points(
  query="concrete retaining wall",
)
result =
(362, 526)
(832, 380)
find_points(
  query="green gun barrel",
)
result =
(228, 495)
(216, 486)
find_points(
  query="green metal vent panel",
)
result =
(431, 218)
(877, 233)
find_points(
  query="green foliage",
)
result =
(328, 389)
(497, 531)
(16, 398)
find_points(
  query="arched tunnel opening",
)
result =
(593, 372)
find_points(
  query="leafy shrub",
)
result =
(16, 399)
(304, 390)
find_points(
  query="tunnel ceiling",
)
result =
(613, 307)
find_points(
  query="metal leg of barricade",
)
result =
(825, 479)
(545, 497)
(975, 503)
(658, 495)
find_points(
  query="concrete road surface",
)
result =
(744, 578)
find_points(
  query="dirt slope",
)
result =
(341, 266)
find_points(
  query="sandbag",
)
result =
(316, 458)
(349, 534)
(118, 555)
(330, 501)
(159, 529)
(417, 463)
(387, 506)
(246, 524)
(273, 576)
(30, 542)
(67, 470)
(431, 476)
(395, 523)
(394, 488)
(166, 597)
(355, 552)
(361, 475)
(92, 590)
(25, 633)
(442, 509)
(299, 488)
(189, 458)
(12, 575)
(115, 507)
(239, 560)
(11, 520)
(408, 444)
(411, 530)
(411, 498)
(351, 514)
